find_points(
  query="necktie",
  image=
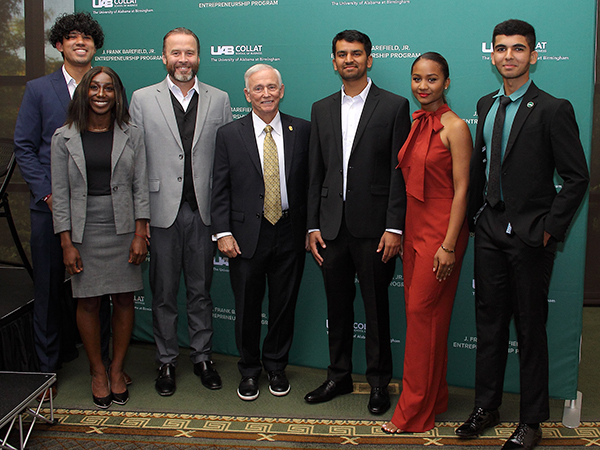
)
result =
(272, 206)
(493, 189)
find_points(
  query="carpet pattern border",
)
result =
(279, 429)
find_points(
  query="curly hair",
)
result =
(82, 22)
(78, 112)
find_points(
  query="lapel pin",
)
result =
(530, 105)
(291, 128)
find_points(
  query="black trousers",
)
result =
(511, 281)
(344, 258)
(278, 264)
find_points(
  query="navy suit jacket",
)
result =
(238, 185)
(43, 110)
(544, 138)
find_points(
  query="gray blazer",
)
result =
(128, 181)
(151, 109)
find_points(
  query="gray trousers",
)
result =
(186, 245)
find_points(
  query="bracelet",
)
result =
(45, 199)
(445, 249)
(139, 235)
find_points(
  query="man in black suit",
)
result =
(259, 218)
(518, 219)
(356, 213)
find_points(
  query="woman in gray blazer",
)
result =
(100, 209)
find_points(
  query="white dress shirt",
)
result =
(352, 108)
(71, 84)
(184, 100)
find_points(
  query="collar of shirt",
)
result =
(184, 100)
(515, 95)
(71, 83)
(259, 125)
(363, 95)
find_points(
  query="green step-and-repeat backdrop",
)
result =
(295, 36)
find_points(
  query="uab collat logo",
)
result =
(113, 3)
(217, 50)
(540, 47)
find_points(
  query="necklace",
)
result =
(99, 130)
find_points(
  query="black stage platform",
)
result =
(16, 317)
(16, 289)
(20, 390)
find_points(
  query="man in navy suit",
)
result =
(518, 218)
(259, 217)
(43, 110)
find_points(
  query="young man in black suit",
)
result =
(523, 136)
(356, 206)
(259, 216)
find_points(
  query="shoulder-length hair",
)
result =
(78, 113)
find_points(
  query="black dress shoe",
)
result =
(120, 399)
(328, 390)
(479, 420)
(248, 389)
(165, 383)
(278, 383)
(379, 402)
(103, 402)
(524, 438)
(208, 375)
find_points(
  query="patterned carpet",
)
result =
(132, 430)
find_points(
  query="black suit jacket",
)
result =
(375, 194)
(544, 137)
(238, 186)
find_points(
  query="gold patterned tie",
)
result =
(271, 175)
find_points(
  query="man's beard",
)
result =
(183, 78)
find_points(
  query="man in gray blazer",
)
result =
(180, 117)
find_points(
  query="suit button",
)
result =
(258, 216)
(341, 195)
(261, 196)
(180, 156)
(116, 188)
(179, 179)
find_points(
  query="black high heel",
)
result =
(120, 399)
(103, 402)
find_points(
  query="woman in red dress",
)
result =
(435, 165)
